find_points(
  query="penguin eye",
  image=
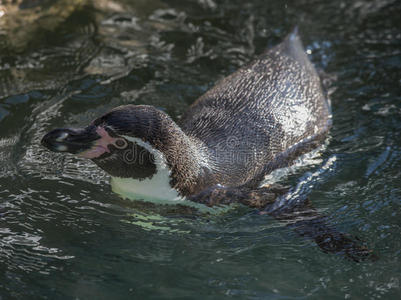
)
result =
(121, 144)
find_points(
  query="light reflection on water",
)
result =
(64, 234)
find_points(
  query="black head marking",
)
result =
(127, 160)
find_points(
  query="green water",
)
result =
(65, 235)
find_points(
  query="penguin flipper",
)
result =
(256, 198)
(332, 241)
(309, 223)
(302, 218)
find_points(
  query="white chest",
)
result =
(156, 188)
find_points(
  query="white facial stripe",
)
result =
(61, 148)
(62, 137)
(155, 188)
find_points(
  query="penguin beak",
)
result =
(73, 141)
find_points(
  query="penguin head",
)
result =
(122, 142)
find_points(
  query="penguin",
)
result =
(258, 119)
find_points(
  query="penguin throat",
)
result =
(155, 189)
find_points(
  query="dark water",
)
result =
(64, 234)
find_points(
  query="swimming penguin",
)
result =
(250, 123)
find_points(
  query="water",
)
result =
(64, 234)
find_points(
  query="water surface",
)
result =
(64, 234)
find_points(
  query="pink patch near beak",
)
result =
(101, 145)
